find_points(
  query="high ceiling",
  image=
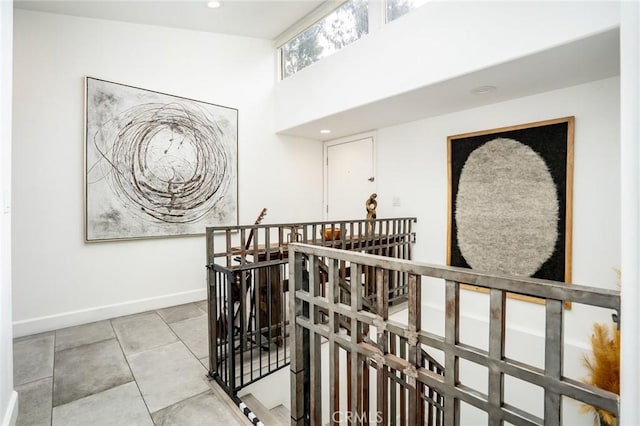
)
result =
(581, 61)
(250, 18)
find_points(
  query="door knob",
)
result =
(371, 179)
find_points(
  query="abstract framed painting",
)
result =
(510, 200)
(156, 165)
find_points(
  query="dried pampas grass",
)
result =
(604, 367)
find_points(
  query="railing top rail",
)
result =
(301, 224)
(248, 266)
(544, 289)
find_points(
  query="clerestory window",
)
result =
(329, 29)
(340, 28)
(398, 8)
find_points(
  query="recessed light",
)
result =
(483, 90)
(214, 4)
(325, 131)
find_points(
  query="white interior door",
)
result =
(350, 177)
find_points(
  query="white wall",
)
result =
(58, 279)
(8, 397)
(630, 229)
(412, 161)
(438, 41)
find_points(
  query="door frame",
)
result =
(325, 163)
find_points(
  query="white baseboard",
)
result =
(84, 316)
(11, 415)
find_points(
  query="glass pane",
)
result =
(342, 27)
(397, 8)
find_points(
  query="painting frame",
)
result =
(156, 165)
(552, 142)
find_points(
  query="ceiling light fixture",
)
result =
(325, 131)
(214, 4)
(483, 90)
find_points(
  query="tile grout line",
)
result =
(53, 375)
(97, 391)
(116, 337)
(211, 382)
(147, 349)
(191, 303)
(188, 348)
(34, 380)
(120, 345)
(182, 341)
(131, 371)
(86, 344)
(183, 400)
(155, 311)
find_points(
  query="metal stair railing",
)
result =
(248, 288)
(402, 392)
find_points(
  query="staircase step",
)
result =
(263, 413)
(282, 414)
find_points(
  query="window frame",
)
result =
(315, 16)
(377, 14)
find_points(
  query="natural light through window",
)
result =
(341, 27)
(398, 8)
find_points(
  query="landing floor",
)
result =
(143, 369)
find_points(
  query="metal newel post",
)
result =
(297, 356)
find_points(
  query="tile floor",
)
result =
(143, 369)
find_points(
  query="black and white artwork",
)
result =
(510, 200)
(157, 165)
